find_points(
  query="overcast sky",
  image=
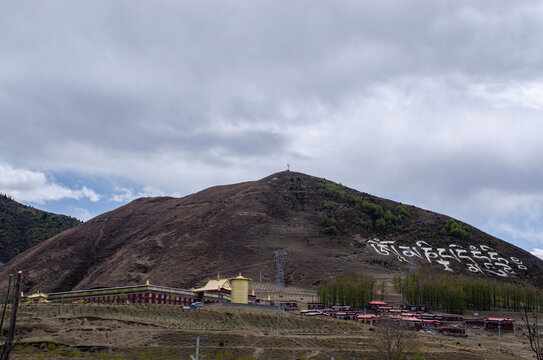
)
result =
(433, 103)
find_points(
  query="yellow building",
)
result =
(35, 298)
(219, 285)
(240, 289)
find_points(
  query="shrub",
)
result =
(381, 224)
(330, 230)
(327, 204)
(452, 228)
(372, 209)
(402, 211)
(363, 223)
(329, 221)
(390, 218)
(334, 191)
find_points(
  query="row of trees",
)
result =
(456, 293)
(355, 290)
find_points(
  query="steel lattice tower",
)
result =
(279, 275)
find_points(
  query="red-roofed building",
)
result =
(455, 318)
(499, 323)
(341, 308)
(315, 306)
(345, 315)
(289, 305)
(417, 308)
(411, 322)
(431, 323)
(474, 323)
(384, 309)
(368, 319)
(453, 331)
(375, 304)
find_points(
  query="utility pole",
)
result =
(197, 355)
(499, 335)
(5, 306)
(278, 319)
(8, 345)
(538, 346)
(61, 305)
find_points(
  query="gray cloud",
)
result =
(433, 103)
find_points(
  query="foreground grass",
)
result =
(168, 332)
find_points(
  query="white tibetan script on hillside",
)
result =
(482, 259)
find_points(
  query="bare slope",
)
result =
(167, 332)
(326, 228)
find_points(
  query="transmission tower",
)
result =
(279, 276)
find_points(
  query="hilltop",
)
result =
(325, 227)
(22, 227)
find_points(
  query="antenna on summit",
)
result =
(288, 167)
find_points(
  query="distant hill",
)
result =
(22, 227)
(326, 229)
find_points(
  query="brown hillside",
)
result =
(326, 228)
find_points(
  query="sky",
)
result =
(438, 104)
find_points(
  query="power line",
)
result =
(235, 269)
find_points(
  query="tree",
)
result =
(393, 341)
(532, 327)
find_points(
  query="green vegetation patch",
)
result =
(456, 230)
(22, 227)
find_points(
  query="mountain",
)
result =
(22, 227)
(326, 229)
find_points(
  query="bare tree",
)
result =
(532, 326)
(393, 341)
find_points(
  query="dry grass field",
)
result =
(227, 332)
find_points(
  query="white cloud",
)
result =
(527, 94)
(33, 186)
(538, 252)
(124, 195)
(81, 214)
(88, 193)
